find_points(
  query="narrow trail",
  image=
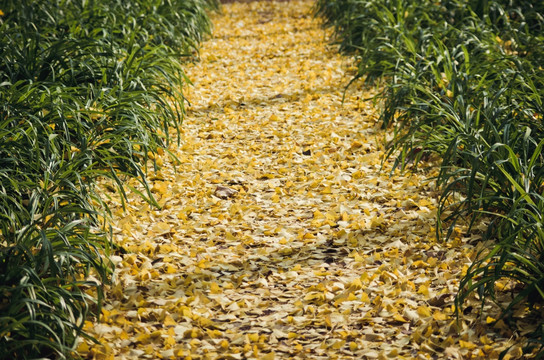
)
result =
(280, 237)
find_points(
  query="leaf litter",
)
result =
(280, 235)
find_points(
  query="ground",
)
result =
(282, 234)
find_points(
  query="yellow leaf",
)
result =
(106, 315)
(149, 349)
(314, 296)
(376, 221)
(439, 316)
(327, 190)
(169, 342)
(205, 322)
(161, 187)
(487, 349)
(321, 272)
(424, 311)
(356, 284)
(185, 311)
(161, 228)
(269, 356)
(485, 340)
(356, 144)
(214, 334)
(169, 321)
(170, 269)
(393, 353)
(353, 346)
(195, 343)
(423, 290)
(448, 342)
(142, 338)
(467, 345)
(224, 344)
(292, 335)
(215, 288)
(121, 320)
(398, 317)
(514, 353)
(428, 332)
(419, 264)
(195, 333)
(83, 348)
(253, 337)
(328, 321)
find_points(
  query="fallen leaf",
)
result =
(224, 192)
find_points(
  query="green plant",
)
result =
(87, 91)
(463, 80)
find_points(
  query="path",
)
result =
(279, 236)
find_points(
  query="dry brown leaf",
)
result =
(224, 192)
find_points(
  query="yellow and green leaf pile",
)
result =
(281, 233)
(85, 89)
(463, 80)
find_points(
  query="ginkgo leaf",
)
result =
(399, 318)
(169, 321)
(467, 345)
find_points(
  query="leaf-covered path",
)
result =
(279, 235)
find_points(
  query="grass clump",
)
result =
(463, 80)
(88, 89)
